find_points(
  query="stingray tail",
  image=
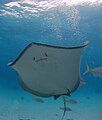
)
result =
(64, 107)
(88, 70)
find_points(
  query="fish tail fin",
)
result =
(64, 108)
(88, 70)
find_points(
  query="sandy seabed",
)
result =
(20, 105)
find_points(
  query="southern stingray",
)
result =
(46, 70)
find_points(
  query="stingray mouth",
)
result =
(40, 59)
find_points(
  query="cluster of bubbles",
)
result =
(62, 17)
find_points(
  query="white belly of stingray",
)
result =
(48, 70)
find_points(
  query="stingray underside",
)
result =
(46, 70)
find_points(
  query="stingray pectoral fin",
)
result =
(56, 96)
(10, 64)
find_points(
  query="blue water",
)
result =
(62, 25)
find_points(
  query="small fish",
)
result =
(71, 101)
(66, 109)
(39, 100)
(96, 71)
